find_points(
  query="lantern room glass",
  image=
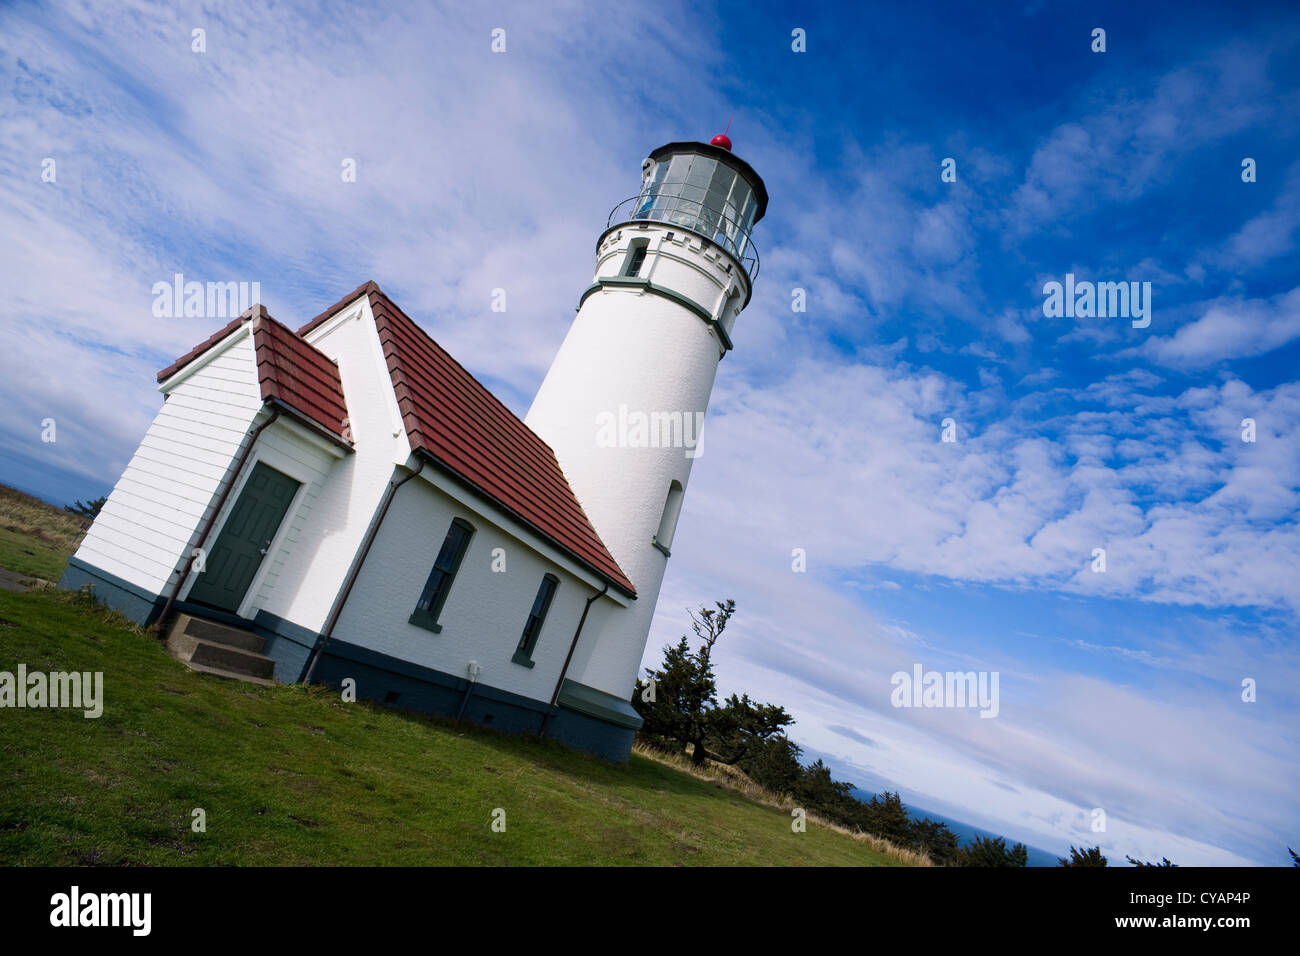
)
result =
(702, 194)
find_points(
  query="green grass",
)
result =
(291, 775)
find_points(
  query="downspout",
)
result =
(546, 719)
(474, 669)
(354, 572)
(212, 518)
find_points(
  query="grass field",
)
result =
(292, 775)
(35, 538)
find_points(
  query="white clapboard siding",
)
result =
(162, 441)
(162, 499)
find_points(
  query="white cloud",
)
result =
(1018, 502)
(1267, 235)
(1228, 329)
(1124, 143)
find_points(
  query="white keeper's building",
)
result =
(346, 501)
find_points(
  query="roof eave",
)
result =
(308, 422)
(624, 589)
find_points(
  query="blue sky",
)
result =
(1119, 690)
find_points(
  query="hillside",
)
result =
(35, 538)
(291, 775)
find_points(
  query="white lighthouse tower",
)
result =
(623, 402)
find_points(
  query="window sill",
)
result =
(425, 620)
(522, 659)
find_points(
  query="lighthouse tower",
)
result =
(623, 402)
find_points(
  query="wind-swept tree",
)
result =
(886, 816)
(1081, 857)
(86, 509)
(675, 701)
(818, 790)
(774, 763)
(740, 726)
(936, 841)
(992, 852)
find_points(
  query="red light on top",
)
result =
(721, 140)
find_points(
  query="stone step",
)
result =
(232, 659)
(199, 652)
(229, 675)
(218, 633)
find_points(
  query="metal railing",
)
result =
(705, 221)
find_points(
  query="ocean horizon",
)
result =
(966, 832)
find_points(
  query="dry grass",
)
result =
(734, 779)
(21, 512)
(35, 538)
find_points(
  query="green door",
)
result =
(245, 538)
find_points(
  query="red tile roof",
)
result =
(290, 372)
(297, 374)
(454, 420)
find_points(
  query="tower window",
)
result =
(729, 311)
(635, 257)
(536, 617)
(663, 539)
(434, 595)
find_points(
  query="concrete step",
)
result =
(232, 659)
(218, 633)
(215, 656)
(229, 675)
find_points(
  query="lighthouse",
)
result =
(623, 403)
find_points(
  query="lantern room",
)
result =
(708, 190)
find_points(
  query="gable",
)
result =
(295, 374)
(291, 373)
(453, 420)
